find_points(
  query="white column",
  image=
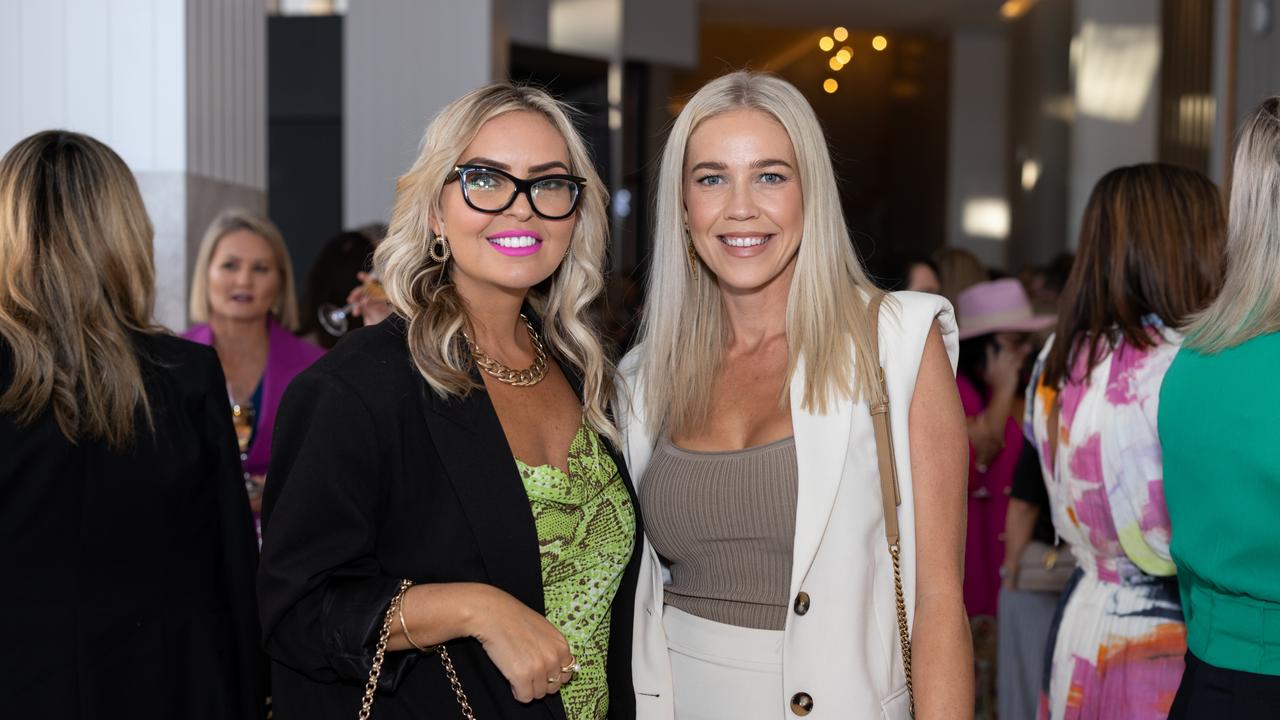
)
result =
(176, 87)
(404, 60)
(978, 180)
(1116, 63)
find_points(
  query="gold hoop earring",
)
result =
(439, 250)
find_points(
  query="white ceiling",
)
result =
(859, 14)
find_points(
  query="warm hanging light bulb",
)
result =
(830, 85)
(834, 63)
(844, 56)
(879, 42)
(826, 43)
(840, 34)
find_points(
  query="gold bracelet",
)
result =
(404, 627)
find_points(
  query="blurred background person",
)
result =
(1150, 256)
(900, 271)
(243, 299)
(1219, 423)
(958, 270)
(996, 326)
(341, 268)
(125, 537)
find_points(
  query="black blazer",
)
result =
(375, 478)
(128, 576)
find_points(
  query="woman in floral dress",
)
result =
(1149, 256)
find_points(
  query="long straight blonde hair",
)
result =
(420, 289)
(76, 278)
(1249, 303)
(285, 307)
(683, 330)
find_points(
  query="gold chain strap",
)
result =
(890, 494)
(456, 684)
(904, 638)
(531, 375)
(380, 653)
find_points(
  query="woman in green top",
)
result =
(462, 445)
(1219, 423)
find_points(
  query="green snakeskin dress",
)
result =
(586, 530)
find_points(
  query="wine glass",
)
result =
(337, 320)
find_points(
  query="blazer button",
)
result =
(802, 603)
(801, 703)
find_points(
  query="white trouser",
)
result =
(723, 671)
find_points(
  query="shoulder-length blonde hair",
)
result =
(76, 278)
(683, 329)
(1249, 303)
(285, 308)
(421, 291)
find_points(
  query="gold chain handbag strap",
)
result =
(890, 493)
(380, 653)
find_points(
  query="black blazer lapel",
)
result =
(470, 442)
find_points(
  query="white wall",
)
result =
(977, 169)
(1116, 54)
(112, 72)
(404, 61)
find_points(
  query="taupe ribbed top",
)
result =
(725, 522)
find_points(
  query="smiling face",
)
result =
(244, 277)
(743, 202)
(515, 249)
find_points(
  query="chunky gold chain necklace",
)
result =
(531, 375)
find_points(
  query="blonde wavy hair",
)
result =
(285, 307)
(683, 329)
(1249, 303)
(420, 289)
(76, 280)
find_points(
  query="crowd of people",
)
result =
(911, 487)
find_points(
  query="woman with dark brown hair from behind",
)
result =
(125, 537)
(1150, 256)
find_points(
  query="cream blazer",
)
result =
(842, 651)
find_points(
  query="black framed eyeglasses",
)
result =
(490, 190)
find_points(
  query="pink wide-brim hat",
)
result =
(998, 306)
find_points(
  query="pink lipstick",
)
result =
(515, 243)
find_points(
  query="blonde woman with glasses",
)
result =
(446, 517)
(767, 587)
(1219, 421)
(125, 537)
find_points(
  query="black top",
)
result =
(1028, 486)
(374, 478)
(128, 576)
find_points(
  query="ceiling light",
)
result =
(830, 85)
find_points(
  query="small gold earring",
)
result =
(439, 250)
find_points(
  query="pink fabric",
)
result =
(988, 501)
(287, 356)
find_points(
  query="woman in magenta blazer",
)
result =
(242, 296)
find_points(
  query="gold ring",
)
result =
(573, 668)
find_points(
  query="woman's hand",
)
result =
(1003, 368)
(528, 650)
(373, 310)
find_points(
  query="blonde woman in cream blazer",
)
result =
(754, 282)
